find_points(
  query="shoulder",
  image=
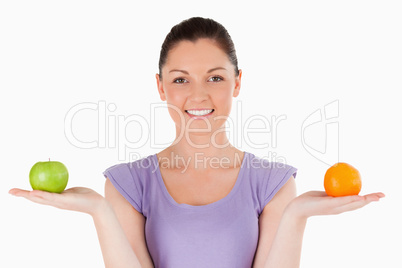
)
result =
(282, 196)
(131, 179)
(262, 167)
(269, 178)
(132, 169)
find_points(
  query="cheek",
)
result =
(175, 102)
(224, 97)
(176, 113)
(174, 96)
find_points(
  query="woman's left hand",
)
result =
(316, 203)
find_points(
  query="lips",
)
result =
(199, 111)
(200, 116)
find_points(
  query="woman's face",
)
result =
(198, 75)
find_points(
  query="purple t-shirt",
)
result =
(220, 234)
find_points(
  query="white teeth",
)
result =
(200, 112)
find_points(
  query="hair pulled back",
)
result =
(193, 29)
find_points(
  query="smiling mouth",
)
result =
(200, 112)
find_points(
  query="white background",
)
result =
(297, 57)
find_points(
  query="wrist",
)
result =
(101, 208)
(293, 212)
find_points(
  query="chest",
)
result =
(182, 237)
(198, 189)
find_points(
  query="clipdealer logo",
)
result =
(113, 129)
(320, 133)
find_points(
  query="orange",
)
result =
(342, 179)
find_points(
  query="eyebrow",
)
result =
(209, 71)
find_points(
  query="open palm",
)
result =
(315, 203)
(77, 198)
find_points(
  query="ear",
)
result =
(237, 84)
(160, 88)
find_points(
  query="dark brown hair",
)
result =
(193, 29)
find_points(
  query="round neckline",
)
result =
(201, 207)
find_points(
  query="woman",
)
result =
(200, 202)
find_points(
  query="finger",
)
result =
(37, 196)
(37, 200)
(358, 204)
(47, 197)
(345, 200)
(353, 206)
(27, 195)
(375, 196)
(18, 192)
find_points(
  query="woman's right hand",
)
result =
(77, 199)
(116, 249)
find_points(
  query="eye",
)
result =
(180, 80)
(215, 79)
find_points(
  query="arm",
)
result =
(283, 221)
(271, 219)
(116, 249)
(287, 245)
(132, 223)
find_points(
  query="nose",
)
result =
(198, 93)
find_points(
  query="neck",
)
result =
(202, 152)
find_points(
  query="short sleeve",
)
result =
(277, 176)
(126, 181)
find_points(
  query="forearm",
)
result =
(116, 249)
(286, 248)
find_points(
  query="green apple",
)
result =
(50, 176)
